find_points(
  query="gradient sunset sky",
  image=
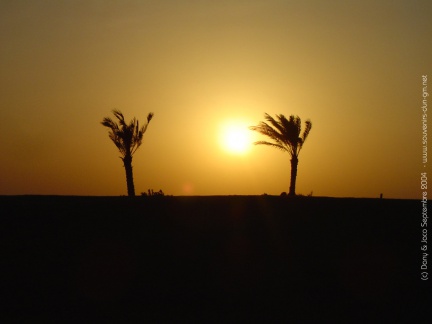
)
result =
(354, 68)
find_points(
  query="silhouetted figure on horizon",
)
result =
(127, 138)
(285, 134)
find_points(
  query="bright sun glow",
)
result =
(236, 137)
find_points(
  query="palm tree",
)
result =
(285, 134)
(127, 138)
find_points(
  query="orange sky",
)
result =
(353, 67)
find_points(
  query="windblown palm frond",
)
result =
(308, 126)
(284, 132)
(275, 124)
(126, 137)
(280, 147)
(267, 130)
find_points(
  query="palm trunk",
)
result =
(127, 161)
(294, 163)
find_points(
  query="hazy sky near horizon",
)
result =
(354, 68)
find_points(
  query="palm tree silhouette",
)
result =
(285, 134)
(127, 138)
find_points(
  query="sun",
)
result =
(235, 137)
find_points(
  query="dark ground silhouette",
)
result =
(211, 259)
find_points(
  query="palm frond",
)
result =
(280, 147)
(139, 133)
(108, 122)
(308, 127)
(292, 127)
(276, 124)
(149, 117)
(302, 139)
(267, 130)
(284, 132)
(119, 115)
(126, 137)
